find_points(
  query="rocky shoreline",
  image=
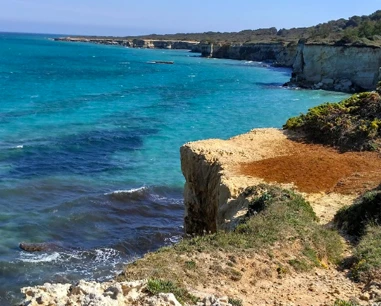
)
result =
(105, 294)
(216, 198)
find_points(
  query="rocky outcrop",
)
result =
(212, 189)
(93, 293)
(340, 68)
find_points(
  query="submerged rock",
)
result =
(38, 247)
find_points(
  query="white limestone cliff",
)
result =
(341, 68)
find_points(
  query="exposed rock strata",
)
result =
(340, 68)
(211, 193)
(315, 66)
(279, 54)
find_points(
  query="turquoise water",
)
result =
(89, 147)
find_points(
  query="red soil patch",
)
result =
(315, 168)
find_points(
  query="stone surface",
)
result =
(341, 68)
(104, 294)
(87, 293)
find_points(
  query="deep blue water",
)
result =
(89, 147)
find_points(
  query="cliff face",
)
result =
(330, 67)
(281, 54)
(212, 189)
(342, 68)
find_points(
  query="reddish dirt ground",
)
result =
(315, 168)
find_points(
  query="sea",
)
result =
(89, 148)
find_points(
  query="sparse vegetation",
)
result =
(367, 256)
(364, 212)
(235, 302)
(362, 220)
(352, 124)
(344, 303)
(276, 217)
(155, 286)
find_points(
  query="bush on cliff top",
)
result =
(352, 124)
(362, 219)
(367, 256)
(354, 219)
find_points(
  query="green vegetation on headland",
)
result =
(353, 124)
(358, 30)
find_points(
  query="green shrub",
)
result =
(156, 286)
(362, 220)
(235, 302)
(352, 124)
(367, 255)
(355, 218)
(344, 303)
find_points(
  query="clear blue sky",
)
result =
(134, 17)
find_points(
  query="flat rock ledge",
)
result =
(105, 294)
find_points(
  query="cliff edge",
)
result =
(218, 171)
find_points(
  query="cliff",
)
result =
(347, 68)
(341, 68)
(280, 54)
(212, 188)
(218, 171)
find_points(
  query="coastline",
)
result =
(231, 151)
(314, 65)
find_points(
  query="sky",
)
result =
(137, 17)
